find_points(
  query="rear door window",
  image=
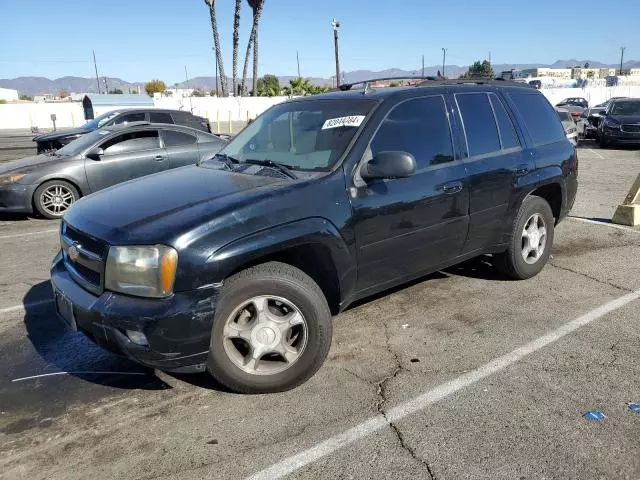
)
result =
(130, 117)
(479, 123)
(160, 117)
(539, 117)
(173, 138)
(508, 135)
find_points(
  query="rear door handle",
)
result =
(159, 158)
(521, 170)
(451, 188)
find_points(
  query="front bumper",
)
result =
(16, 198)
(178, 329)
(618, 136)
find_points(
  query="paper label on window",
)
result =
(352, 121)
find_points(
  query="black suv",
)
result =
(237, 265)
(58, 139)
(620, 123)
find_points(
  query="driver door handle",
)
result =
(451, 188)
(522, 170)
(159, 158)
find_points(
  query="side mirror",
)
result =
(95, 153)
(389, 165)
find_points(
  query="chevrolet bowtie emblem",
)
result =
(73, 252)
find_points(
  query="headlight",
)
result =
(141, 271)
(11, 178)
(611, 124)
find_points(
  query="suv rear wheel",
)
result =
(271, 332)
(531, 240)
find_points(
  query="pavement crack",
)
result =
(614, 353)
(382, 398)
(604, 282)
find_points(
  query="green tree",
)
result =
(2, 101)
(256, 7)
(394, 84)
(479, 70)
(155, 86)
(216, 44)
(27, 98)
(302, 86)
(198, 93)
(115, 91)
(268, 86)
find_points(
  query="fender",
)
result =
(314, 231)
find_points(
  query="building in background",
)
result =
(9, 95)
(564, 73)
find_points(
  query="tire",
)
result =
(283, 286)
(49, 193)
(512, 262)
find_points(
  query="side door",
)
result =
(495, 161)
(404, 226)
(126, 156)
(181, 148)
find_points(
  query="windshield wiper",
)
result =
(286, 169)
(228, 161)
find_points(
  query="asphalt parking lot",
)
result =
(463, 374)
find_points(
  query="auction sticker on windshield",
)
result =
(352, 121)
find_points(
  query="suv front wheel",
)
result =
(531, 240)
(272, 330)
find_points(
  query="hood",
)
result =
(625, 118)
(27, 164)
(160, 207)
(61, 134)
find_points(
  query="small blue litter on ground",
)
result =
(635, 407)
(595, 415)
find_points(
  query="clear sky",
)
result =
(137, 40)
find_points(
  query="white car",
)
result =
(569, 124)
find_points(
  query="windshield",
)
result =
(303, 135)
(625, 108)
(82, 143)
(99, 121)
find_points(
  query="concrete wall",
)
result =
(8, 94)
(220, 111)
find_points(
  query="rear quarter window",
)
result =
(540, 118)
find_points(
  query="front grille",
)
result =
(631, 128)
(84, 257)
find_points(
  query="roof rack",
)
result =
(473, 81)
(349, 86)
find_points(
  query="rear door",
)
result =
(126, 156)
(408, 225)
(494, 162)
(181, 147)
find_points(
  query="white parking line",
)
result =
(600, 156)
(76, 373)
(18, 235)
(22, 307)
(604, 224)
(417, 404)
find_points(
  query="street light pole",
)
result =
(96, 67)
(336, 28)
(423, 65)
(622, 49)
(298, 60)
(444, 58)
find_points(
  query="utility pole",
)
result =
(96, 67)
(186, 77)
(298, 60)
(444, 59)
(106, 86)
(423, 65)
(216, 74)
(336, 28)
(622, 49)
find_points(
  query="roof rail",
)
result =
(349, 86)
(473, 81)
(137, 123)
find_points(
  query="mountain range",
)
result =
(42, 85)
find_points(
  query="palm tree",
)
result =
(216, 42)
(236, 41)
(257, 7)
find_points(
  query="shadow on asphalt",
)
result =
(478, 267)
(73, 352)
(13, 217)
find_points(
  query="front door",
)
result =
(126, 156)
(408, 225)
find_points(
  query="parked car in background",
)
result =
(58, 139)
(50, 183)
(319, 202)
(588, 122)
(620, 123)
(606, 103)
(569, 124)
(573, 101)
